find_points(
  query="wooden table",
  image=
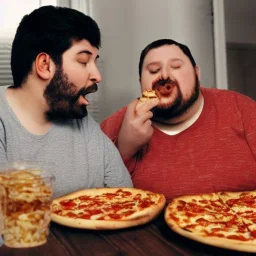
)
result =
(154, 239)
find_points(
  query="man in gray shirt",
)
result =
(43, 116)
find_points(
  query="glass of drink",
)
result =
(26, 191)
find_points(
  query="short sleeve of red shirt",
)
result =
(111, 127)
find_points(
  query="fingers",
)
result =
(143, 107)
(130, 111)
(140, 111)
(143, 118)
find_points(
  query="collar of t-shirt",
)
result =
(175, 129)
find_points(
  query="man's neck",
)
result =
(179, 124)
(28, 104)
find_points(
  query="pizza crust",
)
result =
(245, 246)
(135, 219)
(100, 224)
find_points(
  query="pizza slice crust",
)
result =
(231, 244)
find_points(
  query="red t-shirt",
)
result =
(216, 153)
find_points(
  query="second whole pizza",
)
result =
(224, 219)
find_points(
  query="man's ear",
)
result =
(198, 73)
(43, 66)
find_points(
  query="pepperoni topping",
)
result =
(71, 215)
(114, 216)
(253, 233)
(145, 204)
(246, 200)
(237, 237)
(68, 204)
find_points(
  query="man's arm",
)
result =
(250, 128)
(130, 129)
(247, 109)
(116, 174)
(136, 129)
(133, 130)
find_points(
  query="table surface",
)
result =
(154, 238)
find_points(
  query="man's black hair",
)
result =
(51, 30)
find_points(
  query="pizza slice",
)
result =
(244, 205)
(107, 208)
(147, 95)
(239, 201)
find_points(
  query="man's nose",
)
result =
(95, 75)
(165, 73)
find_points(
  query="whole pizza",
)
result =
(107, 208)
(223, 219)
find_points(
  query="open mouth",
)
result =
(93, 88)
(163, 90)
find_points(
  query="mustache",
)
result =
(162, 82)
(90, 89)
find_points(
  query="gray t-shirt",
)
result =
(83, 156)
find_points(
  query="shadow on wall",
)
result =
(241, 66)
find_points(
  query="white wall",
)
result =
(192, 23)
(127, 26)
(114, 19)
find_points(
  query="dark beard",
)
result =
(179, 107)
(62, 98)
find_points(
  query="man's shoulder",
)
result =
(221, 94)
(115, 117)
(111, 125)
(2, 93)
(3, 102)
(217, 92)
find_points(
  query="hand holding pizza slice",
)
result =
(136, 128)
(145, 104)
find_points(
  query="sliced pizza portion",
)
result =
(244, 205)
(205, 218)
(147, 95)
(239, 201)
(107, 208)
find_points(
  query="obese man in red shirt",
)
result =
(190, 139)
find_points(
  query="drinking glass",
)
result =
(26, 190)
